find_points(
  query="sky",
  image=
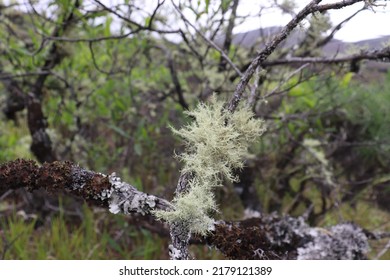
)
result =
(366, 25)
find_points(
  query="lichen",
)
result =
(313, 146)
(216, 142)
(124, 198)
(342, 242)
(174, 253)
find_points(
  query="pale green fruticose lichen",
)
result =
(216, 143)
(313, 146)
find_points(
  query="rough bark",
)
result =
(180, 235)
(274, 237)
(100, 189)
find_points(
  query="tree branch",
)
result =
(382, 55)
(63, 176)
(180, 235)
(228, 35)
(140, 26)
(280, 37)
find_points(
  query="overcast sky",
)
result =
(366, 25)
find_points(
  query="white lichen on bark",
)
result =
(341, 242)
(126, 199)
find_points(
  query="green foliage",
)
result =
(14, 143)
(367, 108)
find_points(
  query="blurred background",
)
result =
(99, 83)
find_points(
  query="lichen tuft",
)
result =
(216, 142)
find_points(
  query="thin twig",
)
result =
(208, 41)
(283, 81)
(140, 26)
(252, 97)
(383, 251)
(382, 55)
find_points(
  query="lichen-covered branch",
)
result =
(179, 231)
(64, 176)
(274, 237)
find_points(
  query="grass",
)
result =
(99, 236)
(94, 238)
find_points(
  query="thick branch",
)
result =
(63, 176)
(41, 144)
(273, 237)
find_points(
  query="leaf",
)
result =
(120, 131)
(147, 21)
(309, 102)
(311, 142)
(107, 27)
(225, 5)
(346, 80)
(207, 2)
(138, 149)
(381, 180)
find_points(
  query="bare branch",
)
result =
(140, 26)
(90, 40)
(337, 5)
(266, 52)
(228, 35)
(208, 41)
(327, 39)
(283, 81)
(382, 55)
